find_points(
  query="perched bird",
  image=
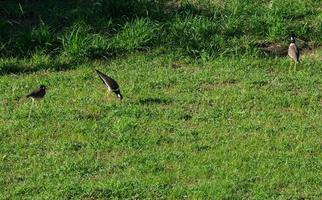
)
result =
(111, 84)
(293, 51)
(38, 93)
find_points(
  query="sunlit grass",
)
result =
(223, 128)
(210, 108)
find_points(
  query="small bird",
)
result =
(293, 51)
(111, 84)
(38, 93)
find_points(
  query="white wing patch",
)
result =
(107, 84)
(108, 87)
(111, 84)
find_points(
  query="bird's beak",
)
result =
(120, 97)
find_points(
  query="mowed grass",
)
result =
(224, 128)
(208, 111)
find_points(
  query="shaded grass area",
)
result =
(82, 30)
(223, 128)
(37, 62)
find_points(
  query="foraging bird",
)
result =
(38, 93)
(293, 51)
(110, 83)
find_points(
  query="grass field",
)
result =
(210, 109)
(228, 128)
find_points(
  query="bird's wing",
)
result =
(108, 81)
(33, 93)
(293, 52)
(298, 54)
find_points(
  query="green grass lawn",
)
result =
(223, 128)
(210, 109)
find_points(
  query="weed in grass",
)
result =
(135, 35)
(76, 41)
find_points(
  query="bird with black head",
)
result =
(36, 94)
(111, 84)
(293, 52)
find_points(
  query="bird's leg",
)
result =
(290, 67)
(295, 66)
(32, 103)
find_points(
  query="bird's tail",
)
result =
(98, 72)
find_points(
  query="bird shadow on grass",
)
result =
(152, 101)
(260, 83)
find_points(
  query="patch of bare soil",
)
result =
(278, 49)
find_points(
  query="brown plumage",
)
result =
(293, 51)
(38, 93)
